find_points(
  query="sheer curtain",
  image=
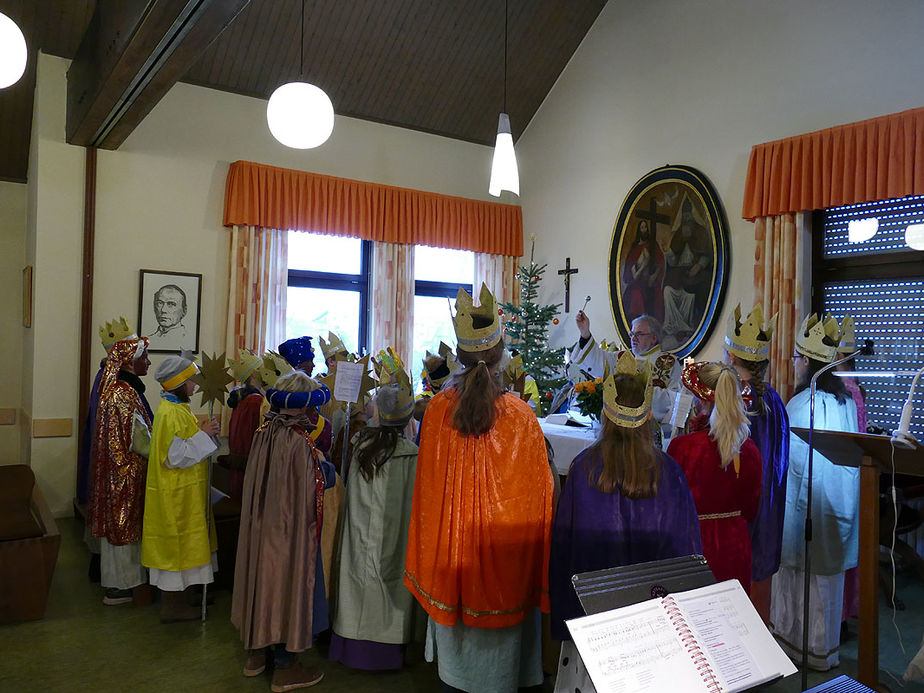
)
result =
(257, 289)
(498, 272)
(782, 244)
(392, 303)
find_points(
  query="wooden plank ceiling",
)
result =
(430, 65)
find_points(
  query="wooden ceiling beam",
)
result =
(131, 54)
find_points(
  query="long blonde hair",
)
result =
(630, 460)
(728, 421)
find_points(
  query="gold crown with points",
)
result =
(749, 340)
(114, 331)
(332, 346)
(394, 395)
(811, 335)
(848, 343)
(274, 367)
(246, 363)
(477, 328)
(619, 414)
(433, 363)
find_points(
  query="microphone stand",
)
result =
(807, 557)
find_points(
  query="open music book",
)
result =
(709, 639)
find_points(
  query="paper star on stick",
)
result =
(365, 387)
(213, 378)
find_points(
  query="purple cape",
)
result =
(770, 432)
(595, 530)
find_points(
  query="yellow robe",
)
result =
(175, 535)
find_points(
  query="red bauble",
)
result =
(554, 321)
(548, 395)
(500, 311)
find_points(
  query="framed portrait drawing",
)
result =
(669, 257)
(168, 310)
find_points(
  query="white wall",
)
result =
(698, 82)
(13, 201)
(159, 206)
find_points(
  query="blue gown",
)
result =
(770, 432)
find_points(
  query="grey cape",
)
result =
(277, 549)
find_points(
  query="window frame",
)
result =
(337, 281)
(905, 264)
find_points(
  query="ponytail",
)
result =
(758, 371)
(728, 422)
(477, 391)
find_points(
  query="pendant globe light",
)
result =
(504, 173)
(300, 115)
(13, 55)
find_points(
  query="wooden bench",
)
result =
(29, 543)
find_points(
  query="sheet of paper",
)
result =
(348, 380)
(683, 401)
(741, 648)
(634, 649)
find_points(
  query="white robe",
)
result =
(835, 521)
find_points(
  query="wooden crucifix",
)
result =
(567, 272)
(653, 218)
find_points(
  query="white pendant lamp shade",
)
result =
(13, 54)
(504, 173)
(300, 115)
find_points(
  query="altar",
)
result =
(567, 441)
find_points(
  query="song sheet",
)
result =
(634, 649)
(348, 380)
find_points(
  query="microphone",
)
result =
(901, 436)
(867, 348)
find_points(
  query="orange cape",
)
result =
(479, 538)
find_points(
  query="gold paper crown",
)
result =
(744, 339)
(619, 414)
(810, 338)
(246, 364)
(332, 346)
(398, 405)
(432, 363)
(274, 366)
(388, 362)
(113, 331)
(849, 339)
(477, 328)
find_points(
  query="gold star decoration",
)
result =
(213, 378)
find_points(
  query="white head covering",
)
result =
(174, 371)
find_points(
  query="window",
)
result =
(863, 265)
(328, 288)
(438, 274)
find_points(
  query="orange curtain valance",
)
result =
(877, 159)
(281, 198)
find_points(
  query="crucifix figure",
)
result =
(568, 271)
(653, 218)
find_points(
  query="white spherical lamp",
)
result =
(13, 53)
(300, 115)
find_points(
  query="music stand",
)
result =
(873, 455)
(611, 588)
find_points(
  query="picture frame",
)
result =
(669, 257)
(169, 306)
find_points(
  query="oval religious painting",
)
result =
(669, 257)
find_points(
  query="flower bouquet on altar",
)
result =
(589, 397)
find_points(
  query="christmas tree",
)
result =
(527, 328)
